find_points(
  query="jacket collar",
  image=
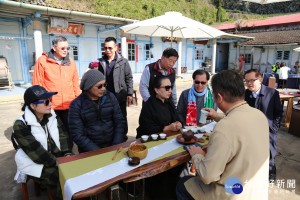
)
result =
(65, 61)
(32, 119)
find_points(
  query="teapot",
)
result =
(188, 135)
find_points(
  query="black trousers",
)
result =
(123, 105)
(64, 117)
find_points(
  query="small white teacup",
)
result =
(162, 136)
(195, 130)
(154, 136)
(145, 138)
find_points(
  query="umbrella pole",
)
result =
(171, 39)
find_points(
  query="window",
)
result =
(198, 54)
(147, 51)
(282, 55)
(131, 52)
(247, 58)
(102, 49)
(73, 52)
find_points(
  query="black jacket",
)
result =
(95, 126)
(268, 101)
(155, 115)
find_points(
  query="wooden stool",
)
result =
(36, 190)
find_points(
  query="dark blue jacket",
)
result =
(268, 101)
(95, 126)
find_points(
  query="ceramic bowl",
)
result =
(154, 136)
(162, 136)
(145, 138)
(138, 150)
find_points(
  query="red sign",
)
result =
(73, 29)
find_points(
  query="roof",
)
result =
(273, 37)
(278, 20)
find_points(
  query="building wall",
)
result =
(17, 44)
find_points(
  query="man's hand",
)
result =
(211, 113)
(129, 100)
(195, 150)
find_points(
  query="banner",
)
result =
(73, 29)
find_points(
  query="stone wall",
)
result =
(282, 7)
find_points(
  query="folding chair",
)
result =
(5, 75)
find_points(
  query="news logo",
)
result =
(233, 186)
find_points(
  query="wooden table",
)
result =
(142, 172)
(290, 99)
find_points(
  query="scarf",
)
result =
(191, 114)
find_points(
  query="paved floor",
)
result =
(287, 159)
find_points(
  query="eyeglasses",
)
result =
(101, 85)
(46, 102)
(64, 48)
(202, 82)
(167, 87)
(110, 48)
(250, 81)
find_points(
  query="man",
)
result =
(276, 68)
(192, 100)
(238, 149)
(296, 68)
(162, 67)
(95, 118)
(56, 71)
(118, 76)
(267, 100)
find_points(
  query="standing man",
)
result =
(237, 152)
(56, 71)
(162, 67)
(118, 76)
(267, 100)
(192, 100)
(276, 68)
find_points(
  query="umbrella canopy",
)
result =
(297, 49)
(173, 24)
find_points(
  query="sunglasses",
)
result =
(110, 48)
(102, 85)
(46, 102)
(202, 82)
(168, 87)
(64, 48)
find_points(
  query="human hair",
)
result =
(277, 63)
(297, 62)
(58, 39)
(201, 72)
(256, 71)
(282, 64)
(229, 84)
(170, 52)
(108, 39)
(158, 80)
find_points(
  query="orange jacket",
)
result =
(53, 77)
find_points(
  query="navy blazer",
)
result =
(268, 101)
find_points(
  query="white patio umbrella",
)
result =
(297, 49)
(173, 24)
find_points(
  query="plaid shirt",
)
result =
(34, 149)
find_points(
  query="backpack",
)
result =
(13, 140)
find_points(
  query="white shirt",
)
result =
(284, 72)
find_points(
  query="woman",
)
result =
(41, 138)
(158, 113)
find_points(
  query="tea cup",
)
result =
(162, 136)
(145, 138)
(154, 136)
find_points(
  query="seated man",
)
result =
(95, 118)
(158, 112)
(238, 149)
(296, 68)
(192, 100)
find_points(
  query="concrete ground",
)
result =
(287, 159)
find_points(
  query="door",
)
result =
(222, 56)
